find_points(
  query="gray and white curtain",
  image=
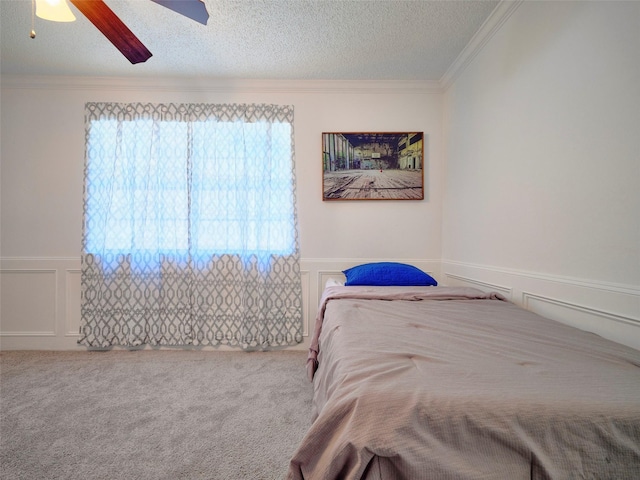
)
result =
(190, 227)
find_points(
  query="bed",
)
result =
(433, 382)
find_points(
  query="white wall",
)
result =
(542, 194)
(41, 191)
(538, 130)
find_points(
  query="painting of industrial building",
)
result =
(372, 166)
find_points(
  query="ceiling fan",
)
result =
(98, 13)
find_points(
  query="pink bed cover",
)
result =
(453, 383)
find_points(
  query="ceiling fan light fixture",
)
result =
(54, 10)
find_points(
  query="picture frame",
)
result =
(372, 166)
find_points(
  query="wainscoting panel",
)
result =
(325, 276)
(305, 302)
(72, 302)
(40, 304)
(28, 302)
(41, 299)
(484, 286)
(609, 310)
(619, 328)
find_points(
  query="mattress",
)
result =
(453, 383)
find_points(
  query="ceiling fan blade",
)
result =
(194, 9)
(112, 27)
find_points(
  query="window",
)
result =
(190, 228)
(198, 187)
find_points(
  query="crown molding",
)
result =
(209, 85)
(488, 29)
(494, 22)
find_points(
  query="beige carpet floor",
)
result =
(151, 414)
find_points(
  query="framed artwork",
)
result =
(372, 166)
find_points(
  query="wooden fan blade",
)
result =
(194, 9)
(112, 27)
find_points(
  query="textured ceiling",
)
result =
(253, 39)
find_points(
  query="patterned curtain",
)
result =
(190, 226)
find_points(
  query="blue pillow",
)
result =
(387, 274)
